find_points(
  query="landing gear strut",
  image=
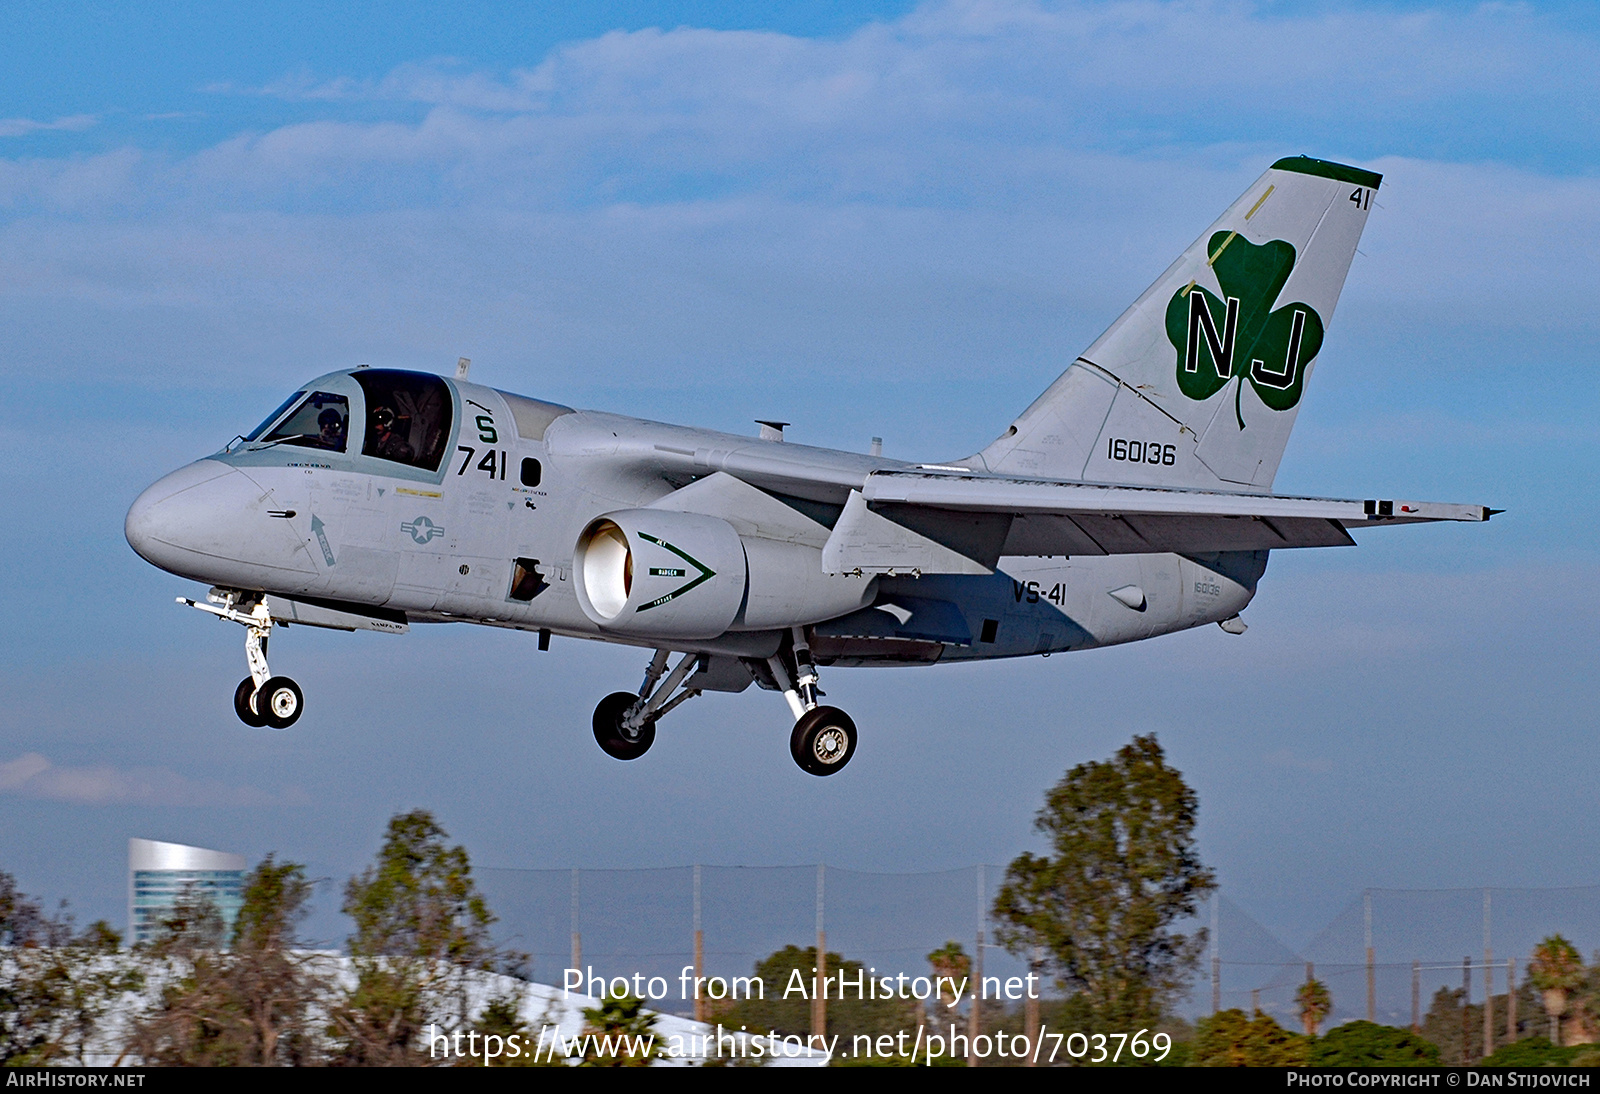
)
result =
(824, 738)
(625, 723)
(261, 699)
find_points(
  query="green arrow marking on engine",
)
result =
(706, 573)
(322, 538)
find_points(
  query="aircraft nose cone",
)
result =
(181, 515)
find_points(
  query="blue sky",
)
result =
(899, 220)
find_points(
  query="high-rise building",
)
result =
(160, 875)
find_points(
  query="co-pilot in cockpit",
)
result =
(407, 419)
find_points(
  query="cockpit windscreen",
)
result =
(321, 421)
(270, 418)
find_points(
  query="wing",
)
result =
(942, 523)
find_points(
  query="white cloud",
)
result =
(21, 127)
(32, 775)
(979, 181)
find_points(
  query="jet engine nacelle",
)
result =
(659, 573)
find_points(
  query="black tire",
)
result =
(609, 734)
(280, 702)
(244, 704)
(823, 741)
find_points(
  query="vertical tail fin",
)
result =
(1198, 383)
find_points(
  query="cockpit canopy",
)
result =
(404, 417)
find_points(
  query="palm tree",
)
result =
(1555, 970)
(1315, 1004)
(951, 965)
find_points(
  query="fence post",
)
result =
(1372, 983)
(699, 951)
(1416, 996)
(577, 942)
(1216, 955)
(1036, 966)
(1511, 999)
(819, 1002)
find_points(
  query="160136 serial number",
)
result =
(1125, 451)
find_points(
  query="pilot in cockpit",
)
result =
(330, 426)
(385, 442)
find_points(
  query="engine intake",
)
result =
(660, 573)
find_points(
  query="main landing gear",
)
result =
(261, 699)
(823, 738)
(625, 723)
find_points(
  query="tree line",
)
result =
(1097, 914)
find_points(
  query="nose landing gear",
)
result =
(261, 699)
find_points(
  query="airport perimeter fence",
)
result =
(622, 922)
(1388, 951)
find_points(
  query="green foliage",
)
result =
(1367, 1044)
(1123, 870)
(1230, 1039)
(420, 926)
(619, 1033)
(1534, 1052)
(1315, 1004)
(419, 899)
(250, 1006)
(55, 985)
(502, 1018)
(790, 968)
(1556, 965)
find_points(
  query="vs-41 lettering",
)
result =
(1033, 592)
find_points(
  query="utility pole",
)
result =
(974, 1018)
(1488, 982)
(1466, 1002)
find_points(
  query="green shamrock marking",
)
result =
(1242, 335)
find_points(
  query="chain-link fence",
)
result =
(622, 922)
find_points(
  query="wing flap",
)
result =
(1046, 517)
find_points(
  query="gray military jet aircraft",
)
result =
(1133, 498)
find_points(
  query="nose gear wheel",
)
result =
(280, 702)
(244, 704)
(261, 699)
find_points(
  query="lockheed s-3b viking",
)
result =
(1132, 498)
